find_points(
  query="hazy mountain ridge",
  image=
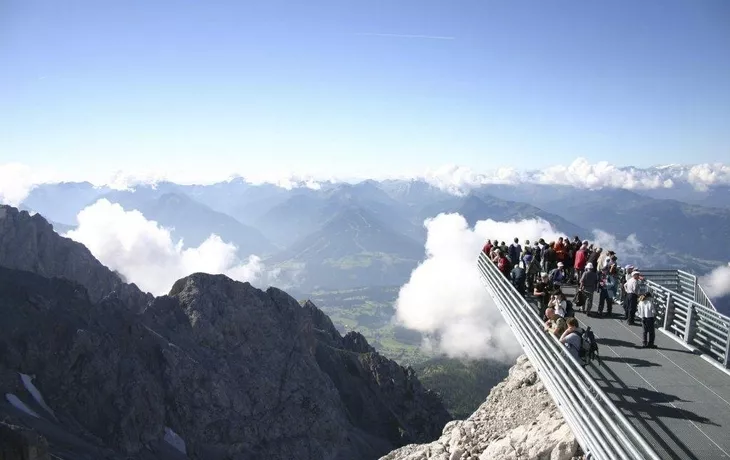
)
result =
(118, 371)
(290, 216)
(667, 224)
(353, 248)
(192, 221)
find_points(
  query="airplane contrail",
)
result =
(430, 37)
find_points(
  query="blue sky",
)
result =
(320, 86)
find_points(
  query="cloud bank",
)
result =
(16, 180)
(717, 283)
(583, 174)
(628, 251)
(445, 298)
(145, 253)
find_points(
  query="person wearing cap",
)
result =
(647, 312)
(632, 296)
(557, 275)
(604, 261)
(624, 278)
(588, 284)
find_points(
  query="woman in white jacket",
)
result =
(647, 312)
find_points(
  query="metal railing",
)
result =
(693, 322)
(600, 428)
(681, 282)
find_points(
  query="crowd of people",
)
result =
(541, 269)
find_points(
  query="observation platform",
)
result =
(669, 402)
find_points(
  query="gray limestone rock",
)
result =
(18, 443)
(518, 420)
(29, 243)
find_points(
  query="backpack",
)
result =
(588, 346)
(580, 298)
(569, 311)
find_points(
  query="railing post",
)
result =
(668, 312)
(727, 350)
(689, 328)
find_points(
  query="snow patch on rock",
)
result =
(20, 405)
(35, 392)
(175, 440)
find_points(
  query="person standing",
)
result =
(514, 252)
(647, 313)
(542, 292)
(632, 296)
(581, 258)
(487, 247)
(588, 284)
(518, 275)
(606, 286)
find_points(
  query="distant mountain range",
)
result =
(192, 220)
(371, 233)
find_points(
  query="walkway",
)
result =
(678, 401)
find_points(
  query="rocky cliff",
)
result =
(29, 243)
(93, 368)
(518, 421)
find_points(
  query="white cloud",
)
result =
(460, 179)
(445, 298)
(583, 174)
(717, 282)
(703, 175)
(17, 180)
(145, 254)
(628, 251)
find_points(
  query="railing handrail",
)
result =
(702, 326)
(698, 293)
(599, 426)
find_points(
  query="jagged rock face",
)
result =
(17, 443)
(236, 372)
(29, 243)
(519, 420)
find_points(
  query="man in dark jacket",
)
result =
(519, 276)
(589, 284)
(542, 291)
(550, 258)
(515, 250)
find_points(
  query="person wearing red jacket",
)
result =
(504, 265)
(581, 258)
(560, 250)
(487, 247)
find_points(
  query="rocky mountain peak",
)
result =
(29, 243)
(354, 341)
(216, 369)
